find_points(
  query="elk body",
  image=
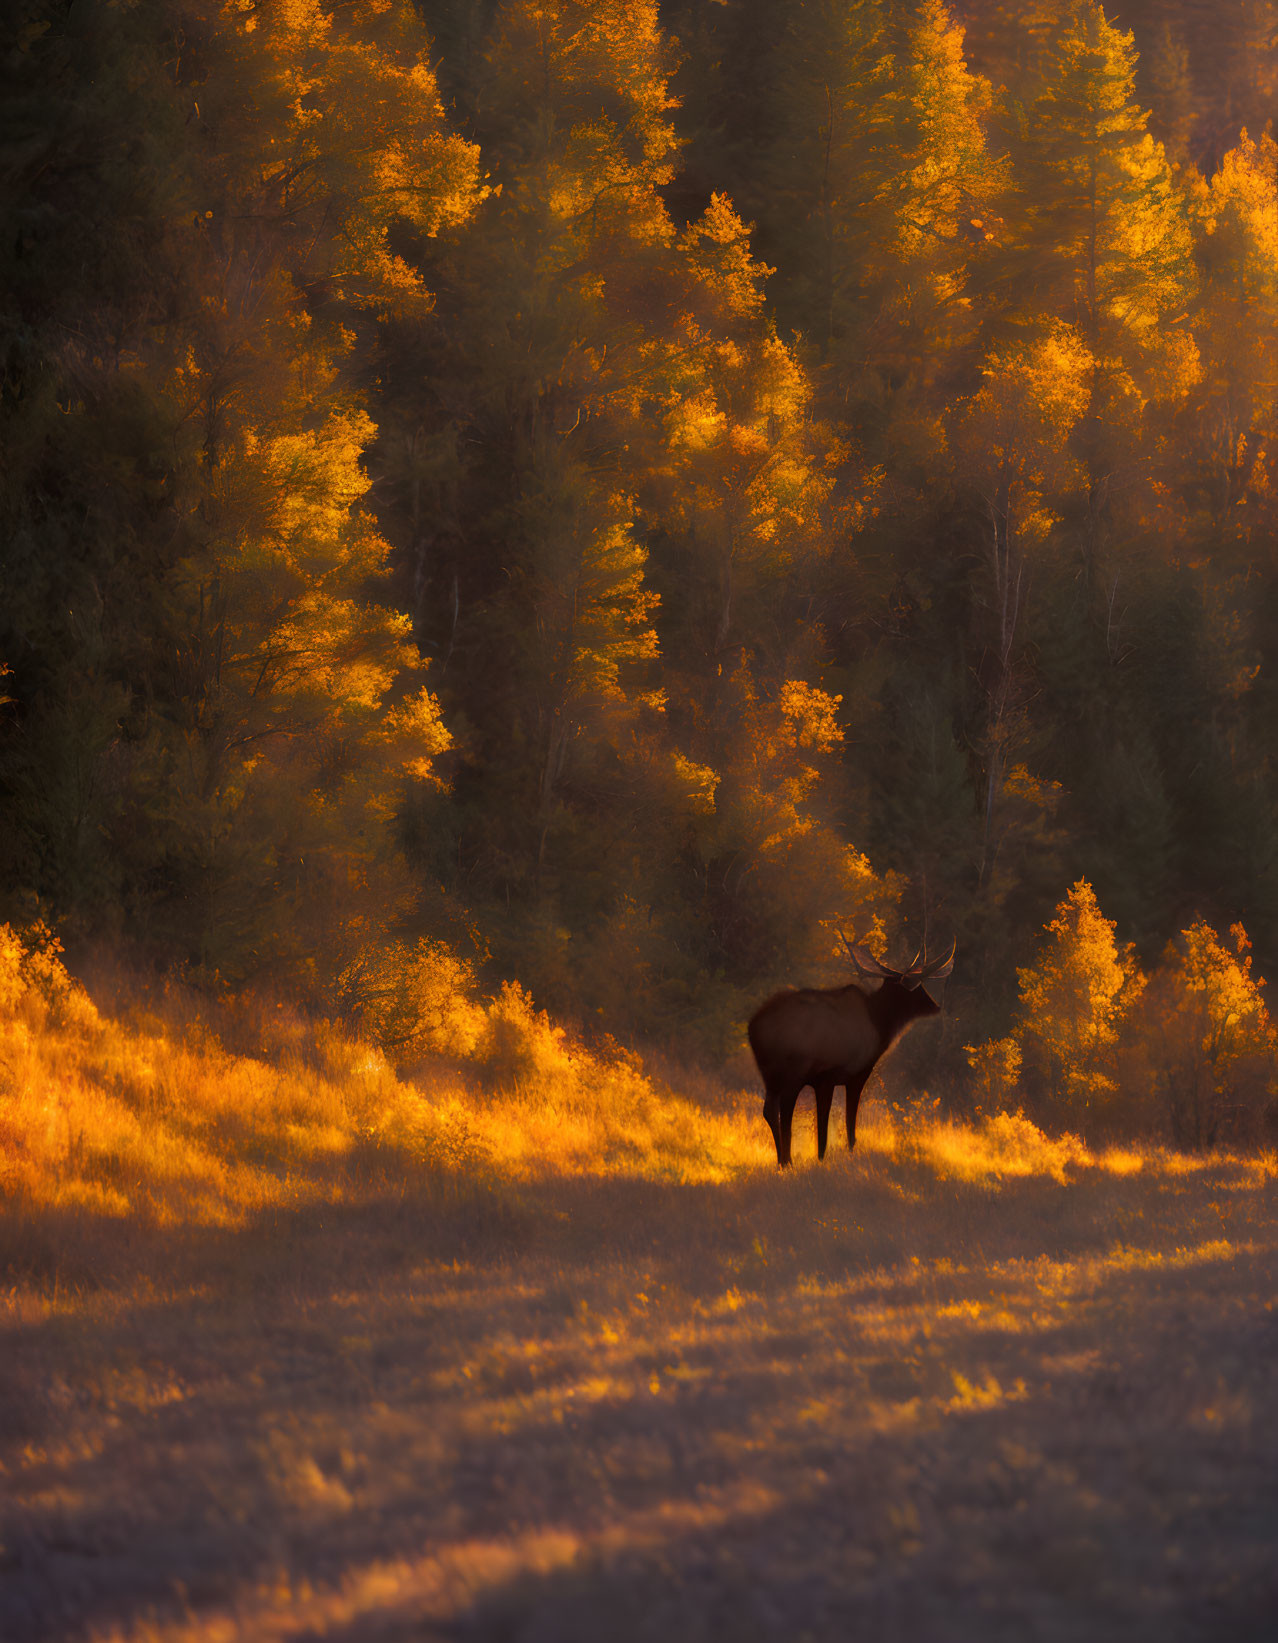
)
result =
(832, 1036)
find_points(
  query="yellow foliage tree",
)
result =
(745, 474)
(1073, 1001)
(780, 881)
(1205, 1040)
(1237, 328)
(290, 720)
(1099, 236)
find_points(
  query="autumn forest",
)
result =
(526, 527)
(613, 496)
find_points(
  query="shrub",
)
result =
(34, 984)
(1063, 1052)
(413, 1001)
(997, 1068)
(1073, 1001)
(1205, 1046)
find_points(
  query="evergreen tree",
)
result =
(1011, 442)
(870, 181)
(1099, 238)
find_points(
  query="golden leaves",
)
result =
(717, 247)
(339, 132)
(1034, 392)
(811, 714)
(1012, 435)
(1230, 1012)
(1200, 1051)
(951, 169)
(1074, 999)
(415, 735)
(699, 782)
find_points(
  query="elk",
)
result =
(827, 1036)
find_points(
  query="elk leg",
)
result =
(778, 1109)
(788, 1100)
(824, 1092)
(853, 1090)
(772, 1112)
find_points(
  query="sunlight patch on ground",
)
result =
(440, 1584)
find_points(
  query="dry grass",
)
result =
(532, 1350)
(159, 1119)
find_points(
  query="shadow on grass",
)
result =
(849, 1397)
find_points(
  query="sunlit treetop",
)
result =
(717, 248)
(1218, 977)
(812, 715)
(1240, 208)
(1103, 233)
(1033, 392)
(1238, 255)
(560, 66)
(1011, 442)
(320, 116)
(952, 178)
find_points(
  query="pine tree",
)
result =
(870, 181)
(1236, 404)
(1011, 443)
(1099, 238)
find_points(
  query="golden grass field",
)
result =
(529, 1348)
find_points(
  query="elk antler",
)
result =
(938, 968)
(866, 963)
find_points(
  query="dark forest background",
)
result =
(629, 492)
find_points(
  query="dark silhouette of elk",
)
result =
(832, 1036)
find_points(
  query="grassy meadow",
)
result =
(529, 1346)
